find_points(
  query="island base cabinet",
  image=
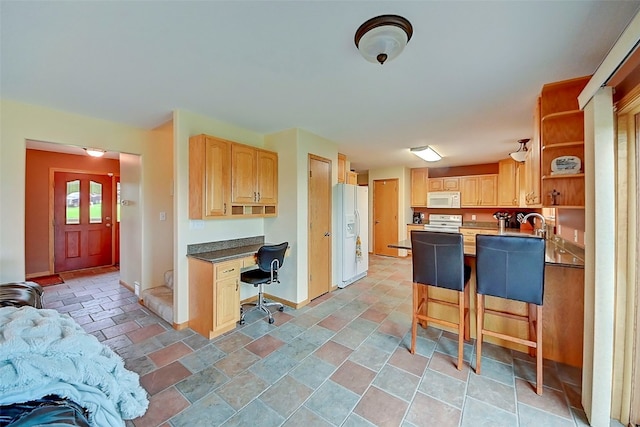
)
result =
(562, 314)
(214, 296)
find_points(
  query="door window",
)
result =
(73, 202)
(95, 202)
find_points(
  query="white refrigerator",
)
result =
(353, 235)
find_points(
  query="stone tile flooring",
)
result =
(342, 360)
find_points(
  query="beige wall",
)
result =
(403, 175)
(20, 122)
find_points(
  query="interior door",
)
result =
(82, 221)
(319, 226)
(385, 216)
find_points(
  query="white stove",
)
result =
(444, 223)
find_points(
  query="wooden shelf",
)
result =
(248, 211)
(569, 175)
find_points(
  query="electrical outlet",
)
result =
(473, 217)
(575, 235)
(163, 216)
(136, 288)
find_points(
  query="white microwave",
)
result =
(443, 199)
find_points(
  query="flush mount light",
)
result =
(382, 38)
(95, 152)
(426, 153)
(521, 154)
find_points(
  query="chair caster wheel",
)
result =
(281, 309)
(271, 320)
(241, 322)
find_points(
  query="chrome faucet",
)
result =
(540, 232)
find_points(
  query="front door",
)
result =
(82, 221)
(319, 226)
(385, 216)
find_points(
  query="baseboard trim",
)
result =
(126, 285)
(40, 274)
(180, 326)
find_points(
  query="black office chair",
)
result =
(438, 260)
(511, 267)
(270, 259)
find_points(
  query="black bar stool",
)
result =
(511, 267)
(438, 260)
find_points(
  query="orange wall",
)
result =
(38, 165)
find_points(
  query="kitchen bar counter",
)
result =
(227, 254)
(563, 307)
(554, 254)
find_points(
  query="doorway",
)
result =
(82, 220)
(385, 216)
(319, 226)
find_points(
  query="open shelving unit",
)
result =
(562, 134)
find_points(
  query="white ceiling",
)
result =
(465, 84)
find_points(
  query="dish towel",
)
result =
(358, 248)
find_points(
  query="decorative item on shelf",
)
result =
(520, 155)
(426, 153)
(565, 165)
(554, 196)
(383, 38)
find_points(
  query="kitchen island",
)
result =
(563, 305)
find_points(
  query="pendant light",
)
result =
(382, 38)
(521, 154)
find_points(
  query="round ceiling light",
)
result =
(382, 38)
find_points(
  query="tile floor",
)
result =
(340, 361)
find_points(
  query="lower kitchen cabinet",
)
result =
(214, 296)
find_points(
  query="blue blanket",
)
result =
(43, 352)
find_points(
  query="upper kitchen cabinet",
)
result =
(209, 177)
(508, 183)
(419, 179)
(227, 179)
(562, 141)
(444, 184)
(479, 190)
(532, 197)
(352, 178)
(342, 168)
(254, 180)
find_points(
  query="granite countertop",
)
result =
(554, 254)
(226, 254)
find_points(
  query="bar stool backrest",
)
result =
(438, 259)
(510, 267)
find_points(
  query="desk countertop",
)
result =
(227, 254)
(554, 255)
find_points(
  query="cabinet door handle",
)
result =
(255, 197)
(259, 196)
(237, 284)
(229, 271)
(225, 209)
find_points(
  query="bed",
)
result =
(52, 372)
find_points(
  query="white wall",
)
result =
(131, 219)
(20, 122)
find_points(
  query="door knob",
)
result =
(377, 222)
(327, 234)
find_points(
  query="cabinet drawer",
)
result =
(228, 269)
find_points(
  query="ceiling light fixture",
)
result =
(426, 153)
(382, 38)
(95, 152)
(520, 155)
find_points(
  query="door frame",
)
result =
(52, 172)
(329, 216)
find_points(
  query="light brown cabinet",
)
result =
(508, 183)
(419, 180)
(342, 168)
(227, 179)
(444, 184)
(469, 237)
(214, 296)
(562, 134)
(531, 191)
(209, 177)
(352, 178)
(479, 190)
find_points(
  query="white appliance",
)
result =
(443, 199)
(353, 234)
(444, 223)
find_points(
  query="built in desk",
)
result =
(563, 305)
